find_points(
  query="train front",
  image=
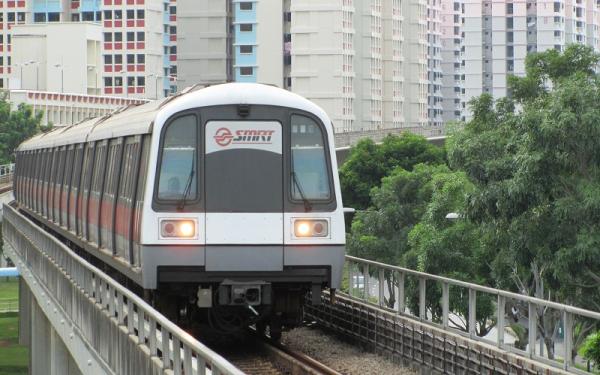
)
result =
(248, 213)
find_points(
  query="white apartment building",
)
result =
(434, 63)
(42, 63)
(498, 34)
(365, 62)
(138, 49)
(452, 58)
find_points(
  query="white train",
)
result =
(221, 204)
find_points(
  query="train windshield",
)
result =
(178, 170)
(309, 164)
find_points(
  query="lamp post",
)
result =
(62, 81)
(124, 82)
(93, 68)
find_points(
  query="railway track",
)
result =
(260, 356)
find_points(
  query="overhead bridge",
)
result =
(77, 320)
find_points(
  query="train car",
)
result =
(221, 204)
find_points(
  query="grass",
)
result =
(14, 358)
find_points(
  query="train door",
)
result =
(244, 195)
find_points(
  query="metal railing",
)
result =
(453, 306)
(9, 305)
(6, 174)
(100, 307)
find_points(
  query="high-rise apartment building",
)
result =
(365, 62)
(434, 63)
(452, 59)
(498, 35)
(139, 49)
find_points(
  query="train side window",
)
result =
(310, 176)
(178, 170)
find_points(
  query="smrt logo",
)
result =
(224, 137)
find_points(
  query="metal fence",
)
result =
(6, 174)
(105, 312)
(481, 313)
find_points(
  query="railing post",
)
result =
(422, 295)
(401, 292)
(351, 278)
(366, 283)
(500, 320)
(445, 304)
(568, 334)
(532, 326)
(381, 287)
(472, 312)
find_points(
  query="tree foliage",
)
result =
(368, 163)
(591, 349)
(15, 127)
(536, 176)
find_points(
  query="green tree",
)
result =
(15, 127)
(381, 233)
(591, 349)
(536, 174)
(368, 163)
(451, 248)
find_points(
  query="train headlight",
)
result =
(178, 229)
(311, 228)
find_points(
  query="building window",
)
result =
(131, 36)
(172, 29)
(130, 81)
(140, 14)
(108, 15)
(130, 59)
(509, 22)
(11, 17)
(108, 81)
(118, 37)
(118, 81)
(510, 37)
(509, 8)
(118, 14)
(141, 81)
(87, 16)
(54, 17)
(140, 36)
(510, 51)
(141, 59)
(173, 10)
(39, 17)
(246, 71)
(75, 17)
(246, 49)
(118, 59)
(246, 27)
(130, 14)
(556, 6)
(108, 37)
(108, 59)
(246, 5)
(173, 50)
(173, 69)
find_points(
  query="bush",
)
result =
(591, 349)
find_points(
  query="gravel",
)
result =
(339, 355)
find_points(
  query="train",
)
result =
(220, 205)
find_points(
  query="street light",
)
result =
(62, 81)
(93, 68)
(124, 82)
(155, 83)
(37, 72)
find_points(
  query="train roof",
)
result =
(140, 119)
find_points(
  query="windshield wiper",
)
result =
(186, 192)
(307, 205)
